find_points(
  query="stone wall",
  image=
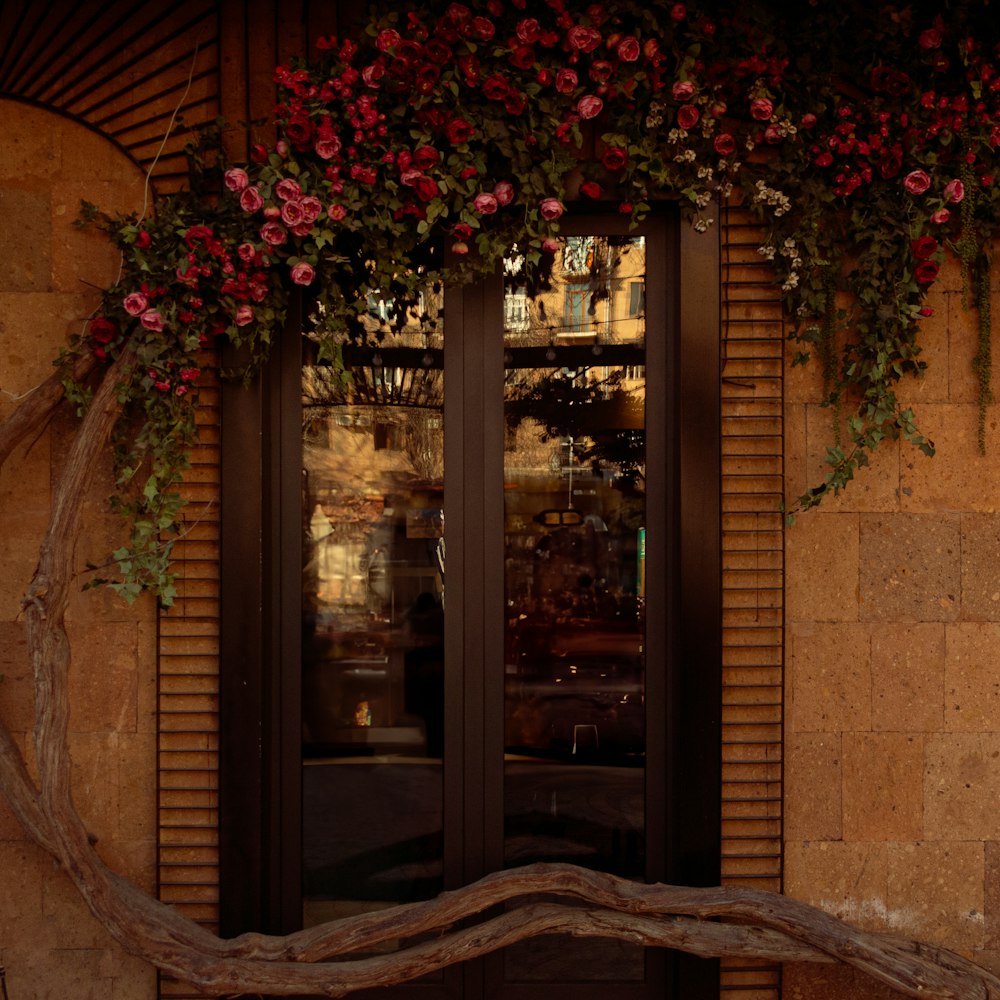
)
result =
(49, 943)
(893, 669)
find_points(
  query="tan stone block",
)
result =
(875, 487)
(883, 786)
(980, 560)
(936, 892)
(136, 773)
(972, 677)
(25, 228)
(33, 326)
(821, 567)
(830, 678)
(29, 149)
(910, 567)
(958, 477)
(963, 328)
(796, 463)
(991, 908)
(812, 786)
(24, 868)
(908, 677)
(103, 683)
(96, 792)
(848, 880)
(962, 787)
(806, 981)
(17, 702)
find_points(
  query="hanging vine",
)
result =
(418, 150)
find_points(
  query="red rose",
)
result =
(687, 116)
(387, 39)
(591, 189)
(426, 188)
(925, 272)
(515, 103)
(930, 39)
(589, 106)
(724, 144)
(583, 39)
(458, 130)
(923, 247)
(426, 157)
(566, 81)
(628, 49)
(103, 330)
(437, 52)
(495, 87)
(614, 158)
(528, 30)
(761, 109)
(523, 57)
(600, 71)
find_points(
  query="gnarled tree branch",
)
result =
(719, 921)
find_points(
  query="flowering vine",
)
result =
(421, 148)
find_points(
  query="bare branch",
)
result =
(36, 408)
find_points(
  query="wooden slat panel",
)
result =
(753, 582)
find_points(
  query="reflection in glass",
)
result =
(373, 620)
(574, 488)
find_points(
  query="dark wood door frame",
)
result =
(261, 580)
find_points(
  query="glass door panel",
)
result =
(373, 623)
(574, 590)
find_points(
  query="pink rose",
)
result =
(461, 248)
(311, 207)
(273, 234)
(327, 148)
(291, 213)
(152, 320)
(954, 191)
(551, 209)
(761, 109)
(303, 273)
(337, 212)
(941, 216)
(287, 189)
(687, 116)
(504, 192)
(236, 179)
(387, 38)
(251, 200)
(916, 182)
(135, 303)
(682, 90)
(550, 245)
(485, 203)
(243, 315)
(589, 106)
(628, 49)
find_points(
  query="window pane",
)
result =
(373, 622)
(574, 491)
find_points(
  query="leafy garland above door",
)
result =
(421, 148)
